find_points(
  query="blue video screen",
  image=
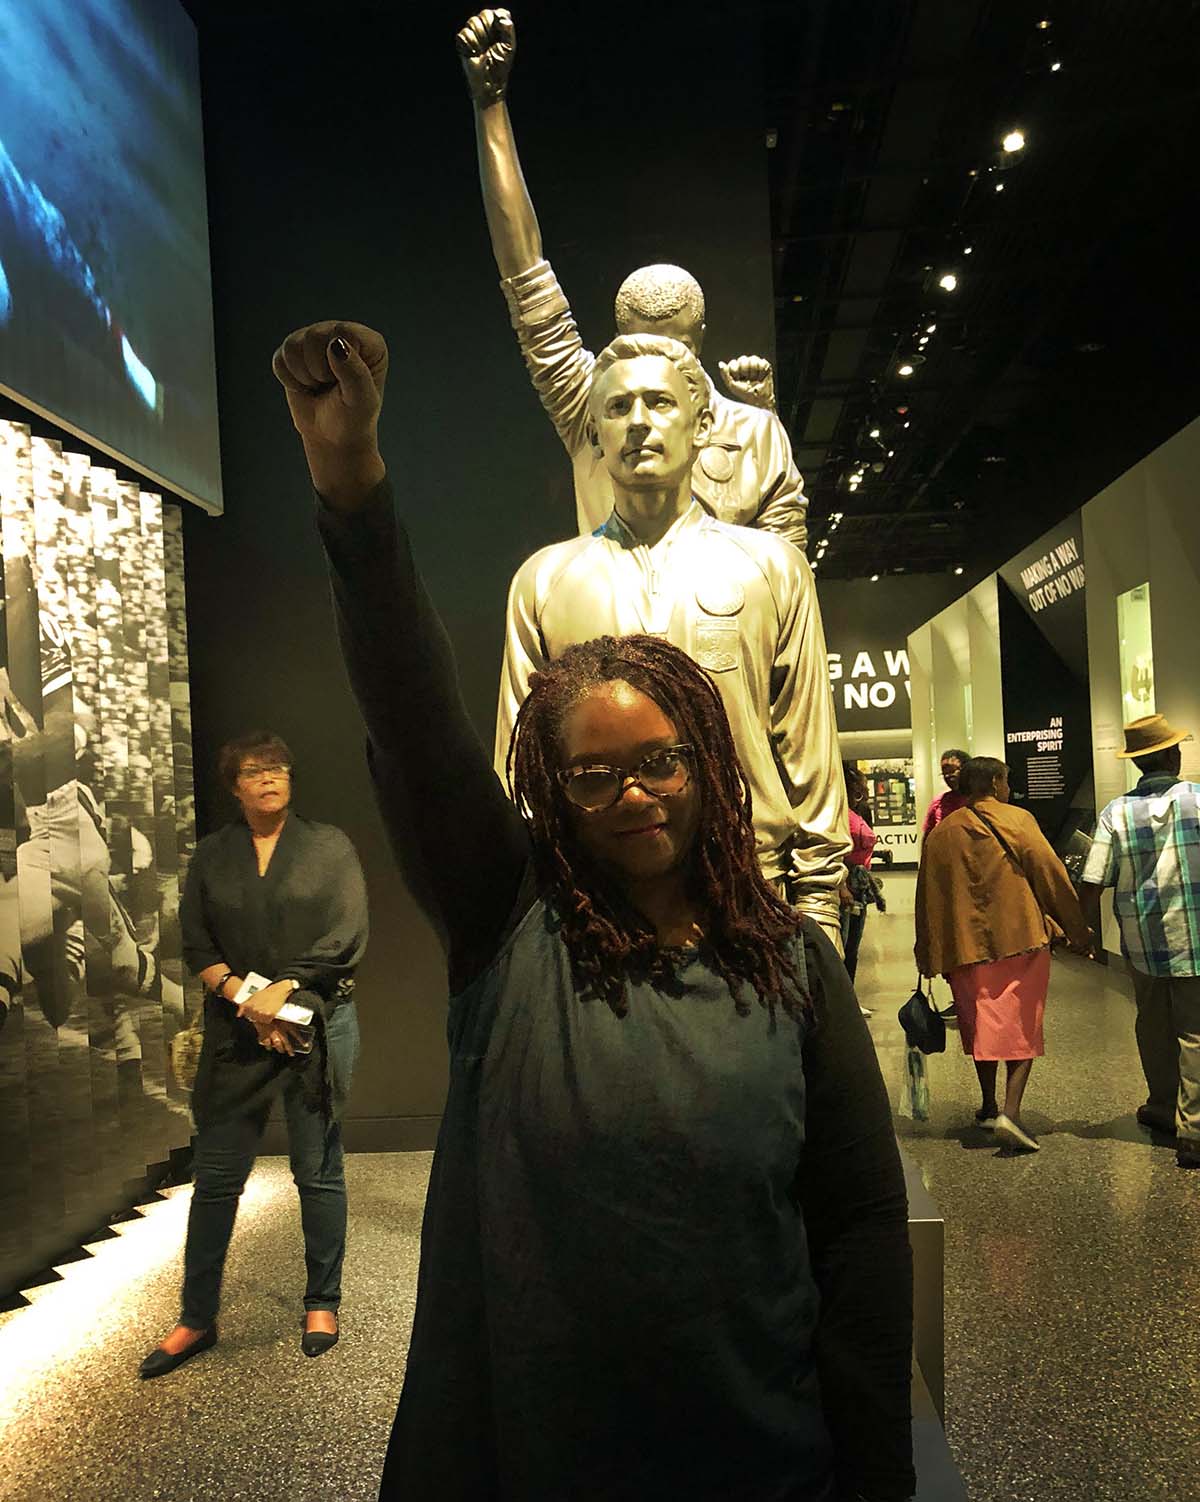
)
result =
(105, 289)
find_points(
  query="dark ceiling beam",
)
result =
(965, 226)
(911, 128)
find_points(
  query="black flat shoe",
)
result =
(160, 1362)
(317, 1342)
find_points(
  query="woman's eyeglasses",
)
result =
(595, 788)
(256, 774)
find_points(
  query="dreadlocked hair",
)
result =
(748, 929)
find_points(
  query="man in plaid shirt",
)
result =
(1147, 847)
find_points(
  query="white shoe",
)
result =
(1012, 1134)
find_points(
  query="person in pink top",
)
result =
(858, 891)
(951, 800)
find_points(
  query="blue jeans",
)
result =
(224, 1155)
(854, 920)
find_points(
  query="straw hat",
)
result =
(1143, 737)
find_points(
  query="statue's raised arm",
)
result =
(747, 475)
(487, 45)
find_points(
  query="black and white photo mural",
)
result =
(96, 827)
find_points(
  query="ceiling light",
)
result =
(947, 281)
(874, 433)
(874, 578)
(930, 327)
(922, 341)
(906, 369)
(906, 425)
(891, 453)
(1014, 141)
(999, 187)
(958, 570)
(967, 249)
(1055, 67)
(1043, 25)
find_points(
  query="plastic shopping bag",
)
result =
(914, 1099)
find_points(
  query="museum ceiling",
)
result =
(1066, 350)
(1067, 347)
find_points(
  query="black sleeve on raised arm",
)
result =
(851, 1189)
(459, 841)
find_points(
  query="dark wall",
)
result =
(342, 183)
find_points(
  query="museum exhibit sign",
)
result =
(1044, 681)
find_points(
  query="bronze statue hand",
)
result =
(333, 373)
(750, 379)
(486, 45)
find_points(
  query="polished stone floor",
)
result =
(1072, 1335)
(1073, 1274)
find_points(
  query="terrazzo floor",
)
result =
(1072, 1334)
(1072, 1274)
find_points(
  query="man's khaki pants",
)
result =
(1168, 1040)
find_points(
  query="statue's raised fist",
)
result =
(750, 379)
(486, 45)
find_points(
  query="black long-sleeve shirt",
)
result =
(305, 919)
(664, 1255)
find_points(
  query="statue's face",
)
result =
(644, 423)
(678, 327)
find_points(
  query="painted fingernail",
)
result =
(340, 349)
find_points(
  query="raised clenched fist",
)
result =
(486, 45)
(333, 373)
(750, 378)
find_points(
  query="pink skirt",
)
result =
(1000, 1006)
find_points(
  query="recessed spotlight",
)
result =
(874, 433)
(967, 249)
(1014, 141)
(906, 425)
(891, 453)
(947, 281)
(906, 369)
(999, 187)
(930, 327)
(958, 570)
(1043, 25)
(874, 578)
(1056, 67)
(922, 341)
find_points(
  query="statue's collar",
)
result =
(615, 530)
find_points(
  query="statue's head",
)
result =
(663, 300)
(648, 410)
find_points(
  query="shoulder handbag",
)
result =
(923, 1028)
